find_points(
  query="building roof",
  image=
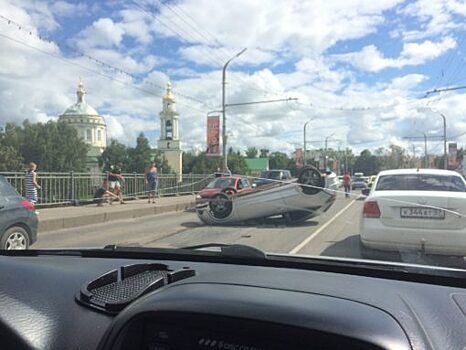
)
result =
(257, 163)
(81, 108)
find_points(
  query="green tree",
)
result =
(252, 152)
(54, 146)
(140, 156)
(10, 159)
(115, 153)
(264, 153)
(366, 163)
(278, 160)
(237, 164)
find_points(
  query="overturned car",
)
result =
(297, 201)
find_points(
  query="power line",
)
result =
(102, 63)
(198, 49)
(87, 68)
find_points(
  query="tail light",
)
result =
(28, 205)
(371, 210)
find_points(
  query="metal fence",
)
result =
(73, 188)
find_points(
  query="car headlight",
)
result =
(198, 196)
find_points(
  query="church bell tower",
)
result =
(169, 142)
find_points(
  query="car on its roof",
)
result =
(416, 209)
(18, 219)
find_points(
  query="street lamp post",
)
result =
(325, 152)
(224, 138)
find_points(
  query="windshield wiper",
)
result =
(231, 250)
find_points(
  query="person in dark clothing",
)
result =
(103, 194)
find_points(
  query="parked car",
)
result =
(225, 184)
(416, 209)
(18, 219)
(267, 176)
(358, 182)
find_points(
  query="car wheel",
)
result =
(15, 238)
(311, 179)
(297, 217)
(220, 206)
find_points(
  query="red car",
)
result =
(225, 184)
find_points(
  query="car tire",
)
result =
(220, 206)
(15, 238)
(312, 180)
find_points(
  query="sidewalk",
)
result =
(52, 219)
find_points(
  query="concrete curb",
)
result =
(48, 225)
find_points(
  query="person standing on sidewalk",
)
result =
(115, 179)
(347, 184)
(150, 175)
(31, 183)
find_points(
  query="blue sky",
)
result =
(358, 68)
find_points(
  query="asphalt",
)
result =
(52, 219)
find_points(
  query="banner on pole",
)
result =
(213, 135)
(452, 155)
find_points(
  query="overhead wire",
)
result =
(102, 64)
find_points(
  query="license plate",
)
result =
(422, 213)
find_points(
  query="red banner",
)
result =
(213, 136)
(452, 155)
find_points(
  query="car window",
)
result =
(221, 183)
(420, 182)
(245, 183)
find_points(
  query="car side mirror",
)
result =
(365, 191)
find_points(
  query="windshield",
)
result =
(221, 183)
(420, 182)
(317, 128)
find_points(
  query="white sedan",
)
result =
(416, 209)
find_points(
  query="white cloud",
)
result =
(303, 28)
(413, 54)
(102, 33)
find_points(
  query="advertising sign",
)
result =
(452, 155)
(213, 135)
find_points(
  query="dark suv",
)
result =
(268, 176)
(18, 219)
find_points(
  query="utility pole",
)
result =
(425, 151)
(224, 137)
(414, 156)
(445, 160)
(325, 152)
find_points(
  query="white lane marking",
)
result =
(323, 227)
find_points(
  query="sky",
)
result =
(359, 69)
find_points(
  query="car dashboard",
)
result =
(224, 304)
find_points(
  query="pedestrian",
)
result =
(102, 194)
(347, 184)
(31, 183)
(150, 175)
(115, 181)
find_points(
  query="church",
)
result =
(91, 127)
(169, 140)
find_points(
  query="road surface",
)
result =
(335, 233)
